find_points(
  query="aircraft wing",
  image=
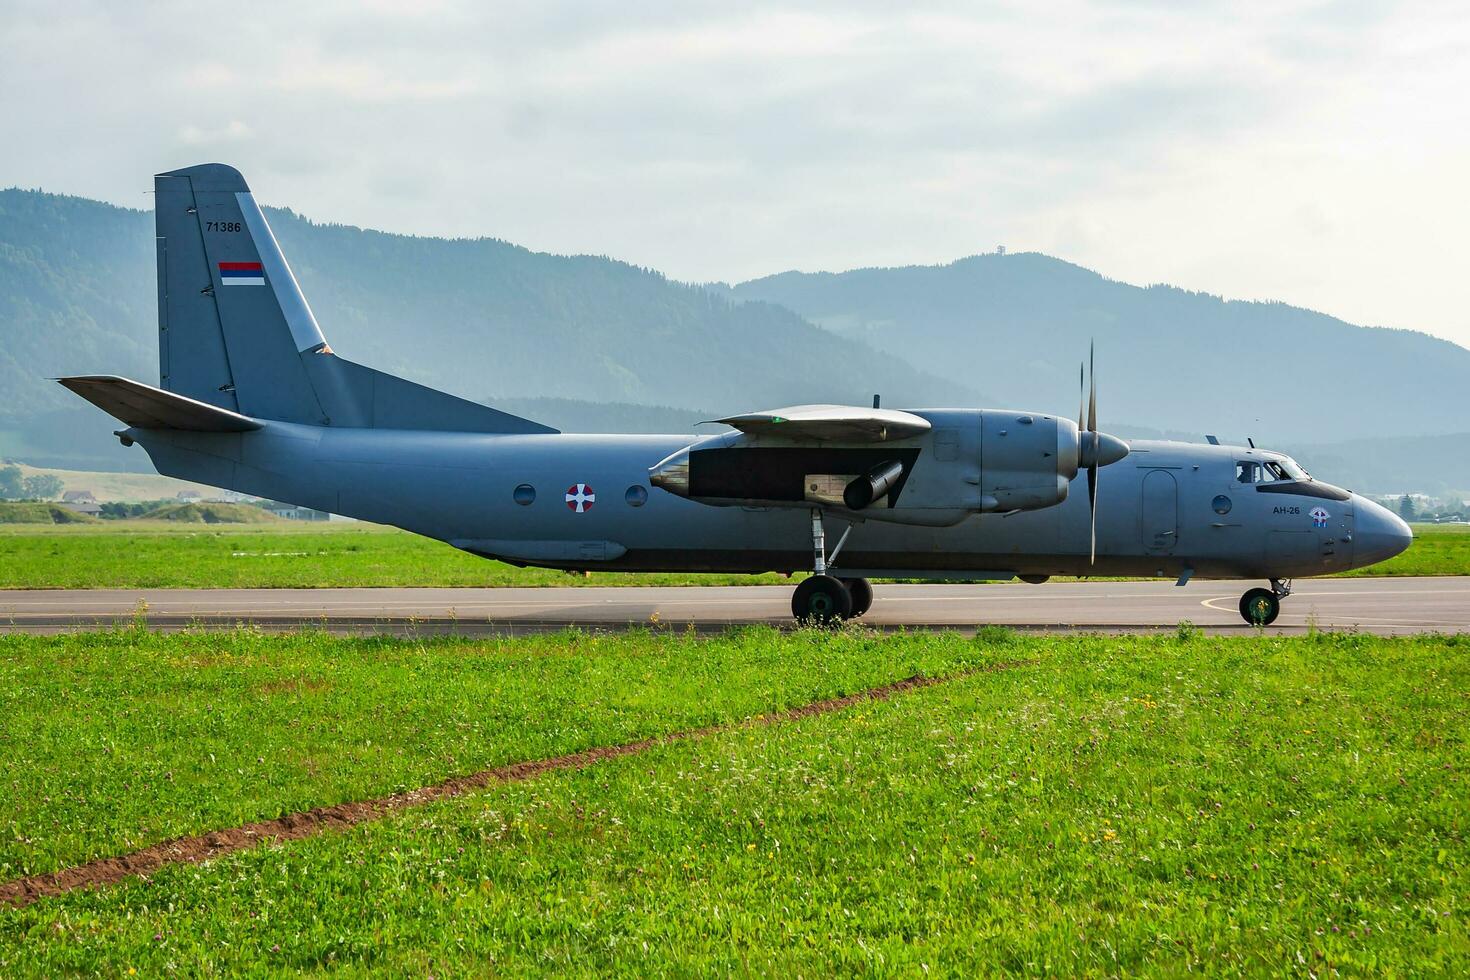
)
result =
(840, 423)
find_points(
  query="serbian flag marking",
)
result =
(241, 274)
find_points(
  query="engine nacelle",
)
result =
(971, 461)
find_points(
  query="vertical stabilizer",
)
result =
(235, 331)
(232, 320)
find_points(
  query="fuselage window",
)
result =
(1247, 471)
(636, 496)
(525, 495)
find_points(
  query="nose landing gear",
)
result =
(1260, 607)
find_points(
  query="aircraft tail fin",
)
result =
(146, 407)
(235, 331)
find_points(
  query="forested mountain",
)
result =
(588, 343)
(483, 319)
(1016, 326)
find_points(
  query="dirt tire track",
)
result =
(20, 892)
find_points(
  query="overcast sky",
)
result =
(1316, 153)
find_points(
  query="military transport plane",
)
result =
(253, 399)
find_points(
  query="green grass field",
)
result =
(1106, 805)
(158, 554)
(143, 554)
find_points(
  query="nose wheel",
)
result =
(1260, 607)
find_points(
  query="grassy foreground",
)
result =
(141, 554)
(163, 555)
(1108, 805)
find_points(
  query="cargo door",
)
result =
(1160, 517)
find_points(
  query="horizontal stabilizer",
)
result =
(146, 407)
(841, 423)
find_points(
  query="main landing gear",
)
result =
(825, 599)
(1260, 607)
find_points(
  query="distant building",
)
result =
(89, 507)
(1000, 250)
(291, 512)
(78, 497)
(189, 496)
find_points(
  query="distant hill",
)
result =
(586, 343)
(571, 415)
(482, 319)
(1436, 465)
(114, 486)
(26, 512)
(212, 514)
(1016, 326)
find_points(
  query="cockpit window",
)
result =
(1275, 471)
(1293, 469)
(1247, 471)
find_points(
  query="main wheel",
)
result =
(820, 601)
(862, 595)
(1260, 607)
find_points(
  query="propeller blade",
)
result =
(1092, 396)
(1092, 505)
(1081, 397)
(1092, 459)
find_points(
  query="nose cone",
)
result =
(1378, 533)
(1109, 449)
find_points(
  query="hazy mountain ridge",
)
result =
(1017, 325)
(588, 343)
(481, 318)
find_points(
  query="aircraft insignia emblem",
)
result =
(580, 497)
(1319, 516)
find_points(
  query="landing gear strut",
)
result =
(1260, 607)
(823, 599)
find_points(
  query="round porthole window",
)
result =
(636, 496)
(525, 495)
(1221, 505)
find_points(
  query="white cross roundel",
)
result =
(580, 497)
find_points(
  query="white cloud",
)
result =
(1303, 151)
(233, 131)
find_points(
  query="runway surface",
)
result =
(1378, 605)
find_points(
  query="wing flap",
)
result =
(146, 407)
(835, 423)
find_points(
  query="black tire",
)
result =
(862, 595)
(821, 601)
(1260, 607)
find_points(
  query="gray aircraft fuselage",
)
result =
(1158, 509)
